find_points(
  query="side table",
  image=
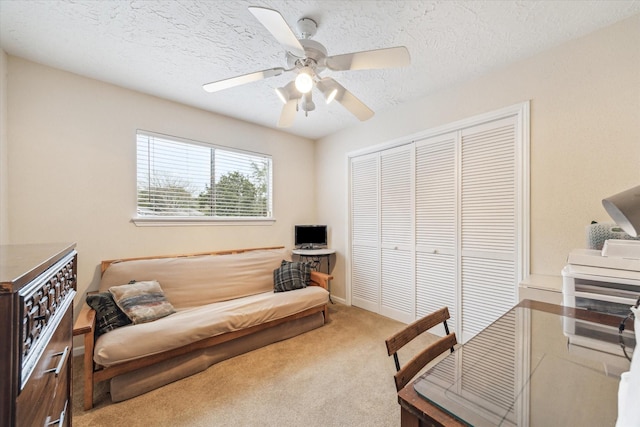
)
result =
(314, 257)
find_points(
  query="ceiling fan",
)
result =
(309, 59)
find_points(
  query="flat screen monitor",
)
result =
(310, 236)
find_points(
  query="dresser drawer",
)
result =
(60, 412)
(37, 287)
(43, 398)
(40, 301)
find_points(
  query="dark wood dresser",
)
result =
(37, 286)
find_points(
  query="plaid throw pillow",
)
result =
(108, 314)
(290, 276)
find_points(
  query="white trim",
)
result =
(516, 109)
(145, 221)
(458, 249)
(524, 165)
(347, 257)
(191, 221)
(339, 300)
(200, 143)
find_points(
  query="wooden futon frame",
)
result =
(85, 325)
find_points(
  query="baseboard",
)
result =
(338, 300)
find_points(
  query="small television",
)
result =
(310, 236)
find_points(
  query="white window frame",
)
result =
(151, 220)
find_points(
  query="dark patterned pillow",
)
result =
(290, 276)
(108, 314)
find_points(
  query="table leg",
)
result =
(407, 419)
(329, 272)
(316, 263)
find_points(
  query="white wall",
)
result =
(585, 138)
(4, 169)
(69, 154)
(72, 169)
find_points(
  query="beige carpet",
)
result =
(337, 375)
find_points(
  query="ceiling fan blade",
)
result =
(357, 107)
(346, 98)
(240, 80)
(277, 26)
(288, 114)
(370, 59)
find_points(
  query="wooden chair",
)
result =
(420, 360)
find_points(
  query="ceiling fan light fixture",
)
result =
(307, 103)
(328, 89)
(304, 81)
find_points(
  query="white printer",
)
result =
(596, 281)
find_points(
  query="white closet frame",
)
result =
(521, 113)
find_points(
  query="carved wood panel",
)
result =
(42, 303)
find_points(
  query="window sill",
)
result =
(191, 221)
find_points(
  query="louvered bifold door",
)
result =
(488, 224)
(397, 273)
(436, 230)
(365, 246)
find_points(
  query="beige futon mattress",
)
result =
(187, 326)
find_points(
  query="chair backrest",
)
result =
(400, 339)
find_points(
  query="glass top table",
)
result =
(538, 365)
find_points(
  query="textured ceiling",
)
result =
(170, 48)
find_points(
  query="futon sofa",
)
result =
(213, 306)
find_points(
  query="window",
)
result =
(182, 180)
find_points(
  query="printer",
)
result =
(606, 281)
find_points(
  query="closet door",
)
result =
(436, 228)
(397, 273)
(488, 223)
(442, 221)
(365, 240)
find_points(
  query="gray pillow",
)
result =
(142, 301)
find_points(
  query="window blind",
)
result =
(183, 178)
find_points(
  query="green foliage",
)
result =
(167, 197)
(234, 195)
